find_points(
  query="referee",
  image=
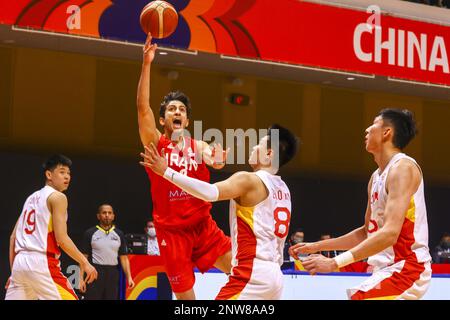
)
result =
(104, 245)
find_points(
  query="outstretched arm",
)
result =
(232, 188)
(402, 182)
(146, 118)
(345, 242)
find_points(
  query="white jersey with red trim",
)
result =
(412, 243)
(35, 226)
(260, 231)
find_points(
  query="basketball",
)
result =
(159, 18)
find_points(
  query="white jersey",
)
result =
(35, 226)
(260, 232)
(412, 243)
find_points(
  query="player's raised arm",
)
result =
(146, 119)
(235, 186)
(57, 204)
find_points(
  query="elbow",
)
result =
(391, 237)
(61, 241)
(141, 107)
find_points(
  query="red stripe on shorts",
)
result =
(58, 277)
(242, 272)
(398, 283)
(395, 285)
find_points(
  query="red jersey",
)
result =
(173, 207)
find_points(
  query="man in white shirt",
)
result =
(152, 241)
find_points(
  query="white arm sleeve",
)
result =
(197, 188)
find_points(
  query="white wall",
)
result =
(306, 287)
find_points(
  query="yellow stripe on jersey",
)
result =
(65, 295)
(411, 213)
(235, 297)
(383, 298)
(246, 214)
(50, 224)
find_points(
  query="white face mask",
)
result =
(151, 232)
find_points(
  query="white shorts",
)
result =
(401, 281)
(35, 276)
(253, 280)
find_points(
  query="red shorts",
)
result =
(197, 246)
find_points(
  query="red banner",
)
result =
(290, 31)
(338, 38)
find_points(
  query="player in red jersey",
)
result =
(187, 235)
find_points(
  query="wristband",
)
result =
(169, 174)
(344, 259)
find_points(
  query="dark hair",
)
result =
(288, 144)
(55, 160)
(99, 209)
(175, 95)
(403, 123)
(445, 235)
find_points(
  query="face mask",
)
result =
(445, 244)
(297, 240)
(151, 232)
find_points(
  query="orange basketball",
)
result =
(159, 18)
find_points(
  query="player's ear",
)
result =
(48, 174)
(161, 121)
(187, 123)
(387, 132)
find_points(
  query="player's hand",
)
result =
(304, 248)
(149, 50)
(8, 282)
(219, 156)
(82, 286)
(130, 283)
(318, 263)
(153, 160)
(91, 273)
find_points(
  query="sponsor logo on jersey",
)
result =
(176, 195)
